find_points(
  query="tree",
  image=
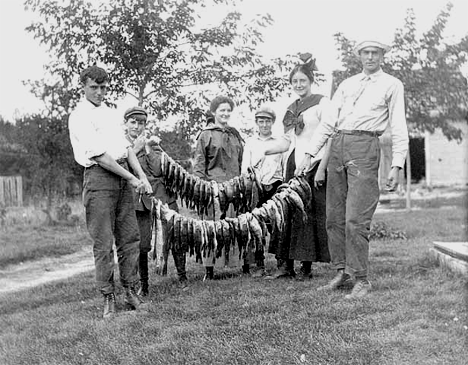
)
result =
(436, 90)
(161, 53)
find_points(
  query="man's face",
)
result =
(135, 125)
(95, 92)
(264, 125)
(371, 59)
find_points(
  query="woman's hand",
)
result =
(305, 165)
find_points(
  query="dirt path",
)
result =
(27, 275)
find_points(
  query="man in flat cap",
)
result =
(148, 153)
(364, 105)
(99, 145)
(269, 169)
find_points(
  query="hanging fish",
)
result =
(158, 236)
(222, 198)
(293, 197)
(227, 239)
(218, 229)
(236, 194)
(248, 191)
(255, 231)
(229, 191)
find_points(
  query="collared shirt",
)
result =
(218, 154)
(95, 130)
(369, 103)
(150, 163)
(271, 169)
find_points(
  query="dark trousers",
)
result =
(144, 219)
(110, 215)
(352, 197)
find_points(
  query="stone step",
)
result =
(453, 255)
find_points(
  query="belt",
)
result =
(121, 161)
(358, 132)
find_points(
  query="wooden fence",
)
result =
(11, 191)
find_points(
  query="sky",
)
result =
(299, 26)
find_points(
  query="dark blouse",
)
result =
(218, 154)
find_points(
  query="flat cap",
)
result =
(364, 44)
(136, 110)
(265, 111)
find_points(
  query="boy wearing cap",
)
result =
(148, 154)
(365, 104)
(269, 168)
(99, 145)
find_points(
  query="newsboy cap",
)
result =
(136, 110)
(265, 111)
(364, 44)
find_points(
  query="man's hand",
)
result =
(147, 189)
(136, 183)
(319, 179)
(393, 178)
(305, 165)
(139, 143)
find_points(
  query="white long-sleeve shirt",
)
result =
(271, 169)
(369, 103)
(95, 130)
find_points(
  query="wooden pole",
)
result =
(408, 182)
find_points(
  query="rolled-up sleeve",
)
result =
(86, 141)
(326, 127)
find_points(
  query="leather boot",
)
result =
(109, 305)
(133, 301)
(144, 288)
(246, 269)
(305, 272)
(209, 273)
(143, 269)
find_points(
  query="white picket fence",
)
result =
(11, 191)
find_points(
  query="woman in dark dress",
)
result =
(218, 157)
(304, 242)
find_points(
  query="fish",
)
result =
(158, 236)
(248, 191)
(293, 197)
(198, 239)
(196, 195)
(229, 190)
(215, 197)
(244, 233)
(256, 231)
(218, 230)
(222, 198)
(208, 197)
(236, 196)
(202, 201)
(227, 238)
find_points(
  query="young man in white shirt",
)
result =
(100, 146)
(268, 168)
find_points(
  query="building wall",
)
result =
(446, 161)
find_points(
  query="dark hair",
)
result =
(209, 117)
(306, 69)
(217, 101)
(94, 73)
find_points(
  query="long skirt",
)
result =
(305, 241)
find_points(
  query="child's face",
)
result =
(264, 125)
(135, 125)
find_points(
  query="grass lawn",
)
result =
(416, 313)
